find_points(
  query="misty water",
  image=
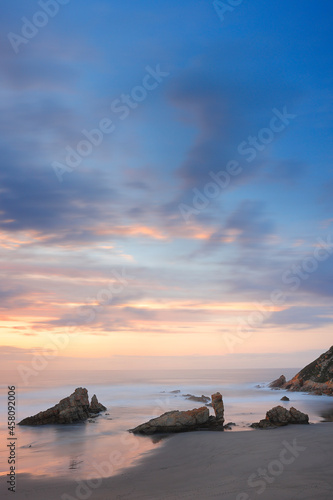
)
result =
(132, 397)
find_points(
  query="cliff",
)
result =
(316, 378)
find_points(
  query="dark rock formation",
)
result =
(218, 406)
(95, 406)
(174, 421)
(229, 426)
(315, 378)
(198, 399)
(279, 416)
(285, 398)
(72, 409)
(279, 382)
(183, 421)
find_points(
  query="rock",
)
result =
(72, 409)
(297, 417)
(279, 416)
(218, 406)
(285, 398)
(199, 399)
(175, 421)
(177, 391)
(279, 382)
(262, 424)
(182, 421)
(95, 406)
(229, 426)
(315, 378)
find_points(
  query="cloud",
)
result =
(212, 107)
(10, 295)
(288, 172)
(253, 227)
(32, 199)
(248, 225)
(302, 318)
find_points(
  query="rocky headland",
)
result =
(315, 378)
(74, 408)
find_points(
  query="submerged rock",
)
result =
(198, 399)
(279, 416)
(72, 409)
(285, 398)
(183, 421)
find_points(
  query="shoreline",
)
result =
(211, 465)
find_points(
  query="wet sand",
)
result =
(288, 463)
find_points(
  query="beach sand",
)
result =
(297, 463)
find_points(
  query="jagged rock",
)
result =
(285, 398)
(72, 409)
(297, 417)
(199, 399)
(316, 378)
(279, 382)
(229, 426)
(263, 424)
(279, 416)
(175, 421)
(218, 406)
(182, 421)
(95, 406)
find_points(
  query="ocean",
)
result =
(131, 397)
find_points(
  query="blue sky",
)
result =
(194, 279)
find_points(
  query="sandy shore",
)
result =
(295, 461)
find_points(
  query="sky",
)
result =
(165, 183)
